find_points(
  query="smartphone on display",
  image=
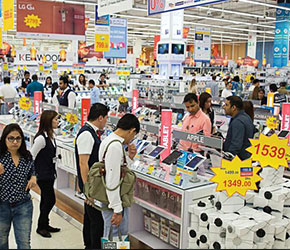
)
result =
(283, 133)
(194, 162)
(33, 117)
(173, 157)
(142, 146)
(156, 152)
(219, 123)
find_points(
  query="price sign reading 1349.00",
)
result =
(270, 151)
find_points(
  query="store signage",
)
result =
(166, 132)
(272, 122)
(8, 14)
(281, 40)
(24, 103)
(111, 6)
(156, 40)
(236, 176)
(37, 102)
(160, 6)
(102, 32)
(85, 110)
(269, 151)
(71, 118)
(24, 56)
(262, 114)
(285, 116)
(270, 99)
(252, 44)
(202, 44)
(118, 39)
(154, 129)
(199, 139)
(135, 98)
(50, 20)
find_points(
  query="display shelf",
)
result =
(70, 193)
(67, 169)
(151, 240)
(157, 210)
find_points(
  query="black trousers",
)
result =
(47, 201)
(93, 228)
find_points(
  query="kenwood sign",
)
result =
(24, 56)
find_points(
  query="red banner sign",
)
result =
(37, 102)
(135, 103)
(86, 104)
(286, 116)
(166, 129)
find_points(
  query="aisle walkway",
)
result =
(68, 237)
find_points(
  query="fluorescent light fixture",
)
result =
(265, 4)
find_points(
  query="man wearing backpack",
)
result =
(117, 215)
(87, 147)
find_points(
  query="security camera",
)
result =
(223, 15)
(208, 13)
(63, 13)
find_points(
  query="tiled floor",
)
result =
(69, 237)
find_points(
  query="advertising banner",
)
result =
(50, 20)
(156, 40)
(111, 6)
(102, 32)
(135, 100)
(37, 102)
(202, 44)
(24, 56)
(281, 41)
(285, 116)
(160, 6)
(86, 52)
(166, 130)
(185, 32)
(118, 39)
(8, 14)
(86, 104)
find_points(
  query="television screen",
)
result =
(177, 49)
(163, 48)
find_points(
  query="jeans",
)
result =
(93, 228)
(124, 227)
(47, 202)
(20, 214)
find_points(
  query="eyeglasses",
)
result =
(12, 139)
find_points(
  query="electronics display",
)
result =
(141, 145)
(163, 48)
(177, 49)
(283, 133)
(170, 159)
(219, 123)
(156, 152)
(33, 117)
(193, 163)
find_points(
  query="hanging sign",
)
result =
(135, 100)
(270, 151)
(236, 176)
(202, 44)
(166, 129)
(111, 6)
(8, 14)
(160, 6)
(102, 32)
(86, 104)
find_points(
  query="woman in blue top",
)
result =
(17, 177)
(237, 86)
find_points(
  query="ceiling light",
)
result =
(265, 4)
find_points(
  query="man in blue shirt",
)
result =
(95, 92)
(34, 86)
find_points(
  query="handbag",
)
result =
(96, 187)
(119, 242)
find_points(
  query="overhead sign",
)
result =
(24, 56)
(8, 14)
(112, 6)
(160, 6)
(202, 44)
(50, 20)
(102, 32)
(118, 39)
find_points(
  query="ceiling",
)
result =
(230, 22)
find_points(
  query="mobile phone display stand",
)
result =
(194, 177)
(173, 170)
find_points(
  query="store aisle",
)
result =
(69, 237)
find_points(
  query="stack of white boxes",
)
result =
(257, 221)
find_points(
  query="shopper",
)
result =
(228, 90)
(34, 86)
(6, 92)
(214, 87)
(262, 97)
(282, 89)
(64, 95)
(54, 87)
(241, 128)
(278, 98)
(87, 147)
(237, 86)
(255, 83)
(82, 84)
(194, 122)
(127, 128)
(205, 102)
(26, 80)
(102, 81)
(95, 92)
(249, 109)
(44, 155)
(17, 177)
(192, 87)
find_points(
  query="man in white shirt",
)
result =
(64, 96)
(6, 91)
(214, 87)
(127, 128)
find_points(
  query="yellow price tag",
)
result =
(236, 176)
(5, 66)
(24, 67)
(41, 68)
(270, 151)
(54, 66)
(24, 103)
(177, 179)
(272, 122)
(102, 42)
(150, 169)
(71, 118)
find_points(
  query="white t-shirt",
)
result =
(226, 93)
(252, 87)
(85, 141)
(7, 91)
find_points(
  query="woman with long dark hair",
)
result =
(205, 100)
(44, 155)
(82, 81)
(17, 177)
(249, 109)
(48, 82)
